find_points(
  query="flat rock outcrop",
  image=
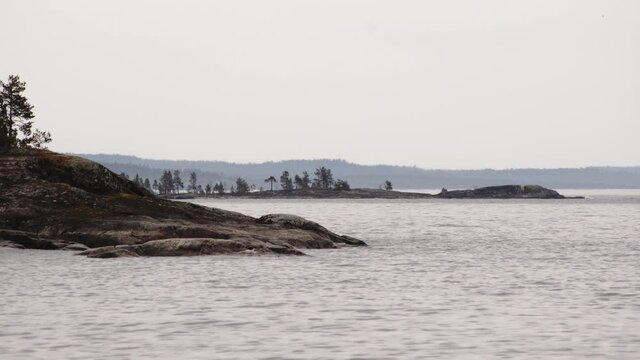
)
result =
(502, 192)
(55, 201)
(192, 247)
(297, 222)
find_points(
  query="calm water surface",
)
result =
(442, 279)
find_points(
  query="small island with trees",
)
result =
(323, 186)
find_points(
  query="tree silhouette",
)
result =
(16, 126)
(242, 187)
(341, 185)
(285, 181)
(177, 181)
(306, 180)
(323, 179)
(298, 181)
(193, 182)
(166, 184)
(218, 188)
(271, 180)
(388, 186)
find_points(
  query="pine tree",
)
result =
(16, 114)
(218, 188)
(167, 184)
(285, 181)
(242, 187)
(388, 186)
(271, 180)
(323, 179)
(297, 180)
(306, 181)
(193, 182)
(177, 181)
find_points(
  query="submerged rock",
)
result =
(54, 201)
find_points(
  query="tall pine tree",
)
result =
(16, 114)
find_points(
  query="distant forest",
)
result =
(374, 176)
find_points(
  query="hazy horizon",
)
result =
(344, 160)
(372, 176)
(437, 85)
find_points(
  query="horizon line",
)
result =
(359, 164)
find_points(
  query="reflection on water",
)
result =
(442, 278)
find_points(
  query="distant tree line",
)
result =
(170, 182)
(323, 180)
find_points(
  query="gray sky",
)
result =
(438, 84)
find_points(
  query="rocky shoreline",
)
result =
(55, 201)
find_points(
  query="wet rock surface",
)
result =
(192, 247)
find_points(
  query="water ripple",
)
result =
(441, 279)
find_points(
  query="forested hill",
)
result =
(402, 177)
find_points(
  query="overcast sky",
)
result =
(437, 84)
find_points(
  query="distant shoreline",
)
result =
(372, 176)
(309, 194)
(492, 192)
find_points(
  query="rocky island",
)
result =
(490, 192)
(54, 201)
(502, 192)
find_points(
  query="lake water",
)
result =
(466, 279)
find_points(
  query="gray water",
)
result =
(525, 279)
